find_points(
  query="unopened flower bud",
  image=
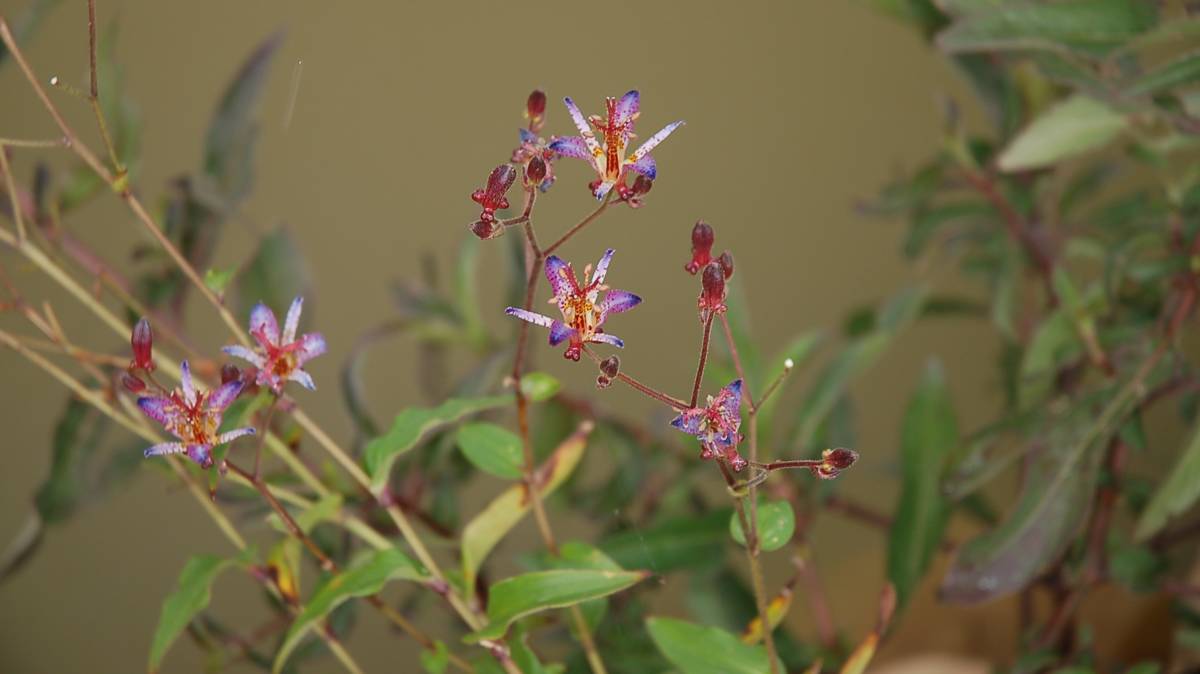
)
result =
(230, 372)
(535, 109)
(610, 366)
(535, 171)
(712, 280)
(840, 458)
(132, 383)
(641, 185)
(726, 262)
(492, 197)
(603, 382)
(702, 242)
(142, 341)
(485, 229)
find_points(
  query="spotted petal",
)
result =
(560, 275)
(689, 421)
(560, 332)
(603, 188)
(303, 378)
(310, 346)
(617, 301)
(249, 355)
(185, 382)
(627, 110)
(201, 454)
(645, 166)
(230, 436)
(535, 318)
(605, 338)
(263, 324)
(585, 130)
(602, 267)
(225, 394)
(572, 146)
(730, 399)
(164, 449)
(653, 141)
(292, 321)
(158, 409)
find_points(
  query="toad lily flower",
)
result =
(193, 416)
(279, 358)
(716, 425)
(582, 310)
(607, 155)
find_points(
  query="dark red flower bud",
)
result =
(726, 262)
(702, 242)
(485, 229)
(535, 171)
(840, 458)
(142, 341)
(712, 280)
(492, 197)
(535, 109)
(132, 383)
(230, 372)
(610, 366)
(603, 382)
(641, 185)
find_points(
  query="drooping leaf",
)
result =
(1176, 494)
(519, 596)
(777, 610)
(776, 524)
(674, 544)
(929, 435)
(1053, 504)
(487, 528)
(364, 578)
(1071, 127)
(192, 594)
(233, 131)
(1085, 26)
(492, 449)
(697, 649)
(275, 275)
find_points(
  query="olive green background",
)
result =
(794, 111)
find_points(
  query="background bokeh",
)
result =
(795, 111)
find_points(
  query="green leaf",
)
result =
(579, 555)
(1181, 71)
(77, 435)
(1053, 505)
(233, 132)
(516, 597)
(1071, 127)
(1086, 26)
(191, 596)
(362, 579)
(411, 425)
(1054, 343)
(929, 435)
(487, 528)
(437, 660)
(927, 223)
(539, 386)
(697, 649)
(275, 275)
(1178, 493)
(466, 290)
(492, 449)
(217, 280)
(683, 542)
(1137, 567)
(776, 524)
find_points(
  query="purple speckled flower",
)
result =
(280, 358)
(193, 416)
(607, 155)
(716, 425)
(582, 310)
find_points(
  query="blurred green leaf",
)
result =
(218, 280)
(927, 223)
(799, 351)
(677, 543)
(77, 436)
(1178, 72)
(487, 528)
(1177, 493)
(1071, 127)
(466, 289)
(1086, 26)
(437, 660)
(1136, 567)
(492, 449)
(233, 132)
(776, 524)
(275, 275)
(412, 424)
(519, 596)
(697, 649)
(1052, 345)
(363, 578)
(1053, 504)
(191, 596)
(929, 435)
